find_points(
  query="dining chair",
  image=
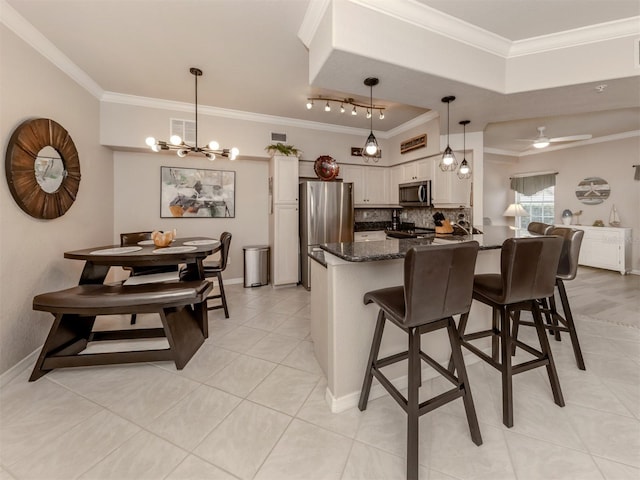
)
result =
(133, 238)
(215, 269)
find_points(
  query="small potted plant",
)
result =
(283, 149)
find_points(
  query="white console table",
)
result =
(605, 247)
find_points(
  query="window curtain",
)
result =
(532, 184)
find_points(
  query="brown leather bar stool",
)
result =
(567, 270)
(438, 283)
(540, 228)
(528, 267)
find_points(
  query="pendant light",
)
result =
(211, 150)
(464, 172)
(448, 161)
(370, 150)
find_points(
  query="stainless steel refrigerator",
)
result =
(326, 216)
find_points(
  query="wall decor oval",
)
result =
(42, 168)
(593, 190)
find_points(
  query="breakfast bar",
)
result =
(342, 326)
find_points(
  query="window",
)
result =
(540, 206)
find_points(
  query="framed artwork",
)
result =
(593, 190)
(197, 193)
(413, 143)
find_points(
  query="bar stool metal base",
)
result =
(411, 405)
(503, 347)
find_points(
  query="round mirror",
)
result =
(43, 169)
(49, 169)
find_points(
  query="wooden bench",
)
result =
(181, 306)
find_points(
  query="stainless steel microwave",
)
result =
(415, 194)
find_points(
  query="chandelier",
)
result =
(345, 103)
(177, 144)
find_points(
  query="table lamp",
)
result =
(515, 210)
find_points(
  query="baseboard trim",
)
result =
(19, 367)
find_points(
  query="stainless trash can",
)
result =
(256, 265)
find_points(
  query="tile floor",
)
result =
(250, 405)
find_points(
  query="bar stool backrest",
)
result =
(528, 268)
(568, 265)
(541, 228)
(438, 281)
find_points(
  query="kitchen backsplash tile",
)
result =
(421, 216)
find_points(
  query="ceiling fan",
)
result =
(542, 141)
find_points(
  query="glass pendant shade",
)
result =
(448, 162)
(371, 145)
(370, 150)
(464, 172)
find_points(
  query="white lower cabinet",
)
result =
(605, 247)
(285, 253)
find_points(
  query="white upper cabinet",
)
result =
(285, 179)
(409, 172)
(447, 189)
(395, 179)
(370, 184)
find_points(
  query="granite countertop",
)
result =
(390, 249)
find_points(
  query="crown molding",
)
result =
(454, 28)
(147, 102)
(415, 122)
(29, 34)
(579, 36)
(499, 151)
(311, 21)
(441, 23)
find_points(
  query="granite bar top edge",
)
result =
(392, 249)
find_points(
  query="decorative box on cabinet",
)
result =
(605, 247)
(283, 219)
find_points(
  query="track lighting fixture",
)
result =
(327, 101)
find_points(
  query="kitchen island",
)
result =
(342, 326)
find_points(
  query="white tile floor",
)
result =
(250, 405)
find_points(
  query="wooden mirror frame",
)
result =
(25, 144)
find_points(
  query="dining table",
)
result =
(190, 251)
(180, 300)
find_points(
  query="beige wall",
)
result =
(496, 193)
(137, 201)
(611, 161)
(31, 250)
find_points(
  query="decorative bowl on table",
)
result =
(326, 168)
(163, 239)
